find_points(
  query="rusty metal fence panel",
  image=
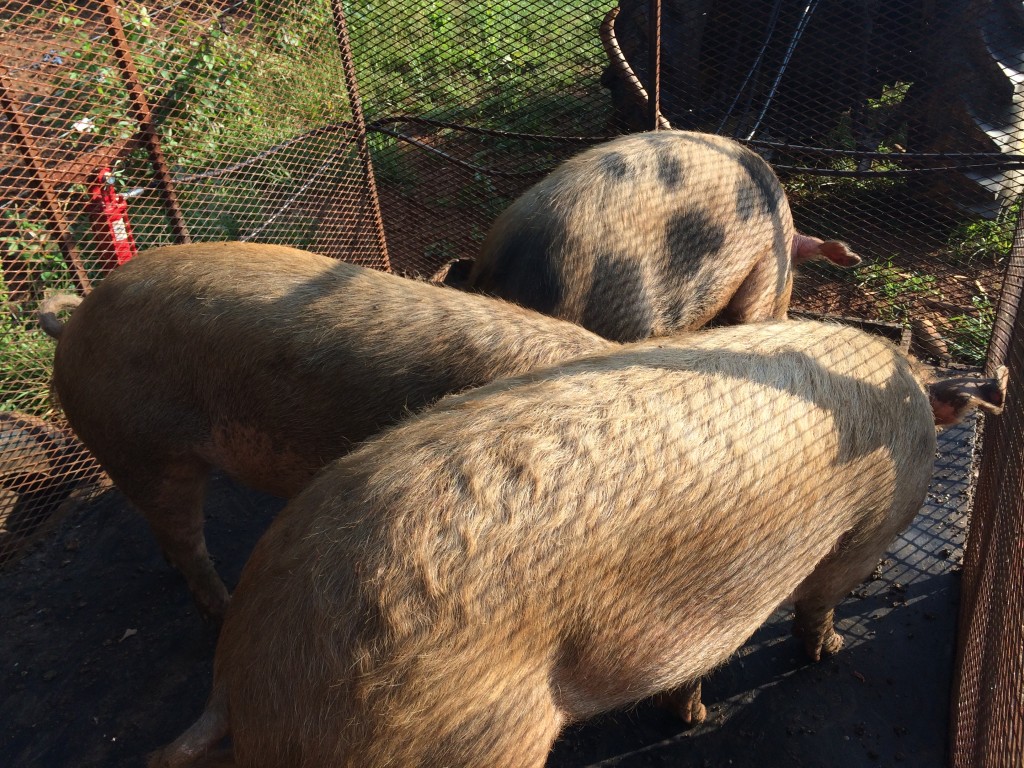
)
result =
(218, 120)
(988, 704)
(391, 133)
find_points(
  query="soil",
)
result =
(105, 658)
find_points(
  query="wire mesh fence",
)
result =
(393, 133)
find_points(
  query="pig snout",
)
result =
(951, 399)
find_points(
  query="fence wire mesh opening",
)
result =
(392, 134)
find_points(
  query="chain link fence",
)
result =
(391, 133)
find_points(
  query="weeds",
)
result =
(986, 240)
(895, 289)
(969, 334)
(24, 364)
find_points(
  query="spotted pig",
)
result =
(650, 234)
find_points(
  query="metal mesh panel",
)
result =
(856, 137)
(219, 121)
(988, 719)
(393, 133)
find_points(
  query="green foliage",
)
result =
(891, 96)
(985, 240)
(25, 357)
(880, 119)
(898, 293)
(970, 334)
(25, 240)
(487, 60)
(896, 289)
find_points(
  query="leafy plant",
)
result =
(897, 289)
(26, 241)
(986, 240)
(969, 334)
(24, 364)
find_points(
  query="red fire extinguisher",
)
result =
(110, 220)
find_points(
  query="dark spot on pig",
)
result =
(747, 199)
(691, 238)
(681, 310)
(670, 170)
(618, 307)
(614, 166)
(673, 314)
(523, 270)
(761, 192)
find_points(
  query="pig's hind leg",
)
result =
(484, 713)
(833, 578)
(685, 702)
(169, 493)
(764, 293)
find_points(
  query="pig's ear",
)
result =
(952, 399)
(455, 273)
(458, 273)
(838, 253)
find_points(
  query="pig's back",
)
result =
(640, 236)
(230, 344)
(628, 520)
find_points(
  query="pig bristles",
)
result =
(551, 546)
(266, 362)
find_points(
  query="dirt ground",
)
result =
(104, 658)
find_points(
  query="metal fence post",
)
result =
(345, 49)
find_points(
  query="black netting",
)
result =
(393, 133)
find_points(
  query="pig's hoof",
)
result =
(695, 714)
(686, 703)
(833, 643)
(828, 644)
(212, 608)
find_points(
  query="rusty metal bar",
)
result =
(621, 67)
(41, 180)
(348, 67)
(80, 167)
(654, 63)
(987, 727)
(996, 441)
(989, 479)
(140, 105)
(1009, 300)
(989, 628)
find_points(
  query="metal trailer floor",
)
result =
(104, 658)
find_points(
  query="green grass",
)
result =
(222, 93)
(969, 334)
(985, 240)
(483, 60)
(26, 354)
(896, 289)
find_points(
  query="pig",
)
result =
(266, 362)
(558, 544)
(650, 234)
